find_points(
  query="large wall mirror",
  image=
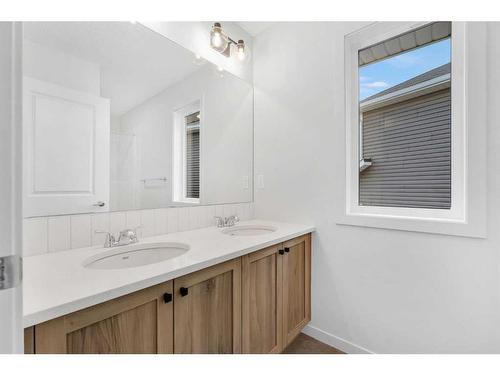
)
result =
(117, 117)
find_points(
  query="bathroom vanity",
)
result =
(227, 294)
(158, 145)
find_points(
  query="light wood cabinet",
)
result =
(208, 310)
(296, 286)
(140, 322)
(254, 304)
(276, 296)
(262, 301)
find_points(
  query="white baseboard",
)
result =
(336, 342)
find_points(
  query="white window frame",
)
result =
(179, 188)
(467, 216)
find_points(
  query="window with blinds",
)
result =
(405, 120)
(192, 156)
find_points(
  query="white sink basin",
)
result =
(136, 255)
(249, 230)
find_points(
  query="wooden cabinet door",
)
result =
(296, 286)
(262, 301)
(141, 322)
(208, 310)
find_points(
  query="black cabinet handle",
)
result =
(184, 291)
(167, 297)
(287, 249)
(281, 251)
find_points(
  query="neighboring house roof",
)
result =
(434, 73)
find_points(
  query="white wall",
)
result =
(375, 290)
(226, 136)
(60, 68)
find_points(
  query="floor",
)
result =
(304, 344)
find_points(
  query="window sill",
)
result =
(187, 201)
(423, 225)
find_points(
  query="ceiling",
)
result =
(136, 63)
(255, 28)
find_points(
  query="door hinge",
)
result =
(10, 271)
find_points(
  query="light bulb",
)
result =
(240, 47)
(216, 40)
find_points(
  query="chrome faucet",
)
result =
(226, 221)
(126, 237)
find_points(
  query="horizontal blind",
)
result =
(409, 144)
(193, 160)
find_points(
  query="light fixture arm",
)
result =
(231, 40)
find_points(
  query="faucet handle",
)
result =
(130, 235)
(219, 221)
(232, 220)
(110, 239)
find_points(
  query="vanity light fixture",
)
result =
(222, 42)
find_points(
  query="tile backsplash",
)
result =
(58, 233)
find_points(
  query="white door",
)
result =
(11, 333)
(66, 150)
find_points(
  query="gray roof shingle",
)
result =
(436, 72)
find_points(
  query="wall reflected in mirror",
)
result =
(118, 117)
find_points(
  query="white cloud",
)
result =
(375, 85)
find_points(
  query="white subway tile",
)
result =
(64, 232)
(219, 210)
(251, 211)
(193, 218)
(210, 214)
(99, 222)
(133, 221)
(202, 217)
(230, 209)
(183, 219)
(59, 233)
(117, 222)
(241, 211)
(160, 215)
(80, 231)
(172, 220)
(35, 236)
(147, 223)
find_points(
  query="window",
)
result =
(405, 120)
(193, 155)
(186, 158)
(409, 150)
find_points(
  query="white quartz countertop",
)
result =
(56, 284)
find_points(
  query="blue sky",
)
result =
(381, 75)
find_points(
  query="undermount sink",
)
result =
(249, 230)
(136, 255)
